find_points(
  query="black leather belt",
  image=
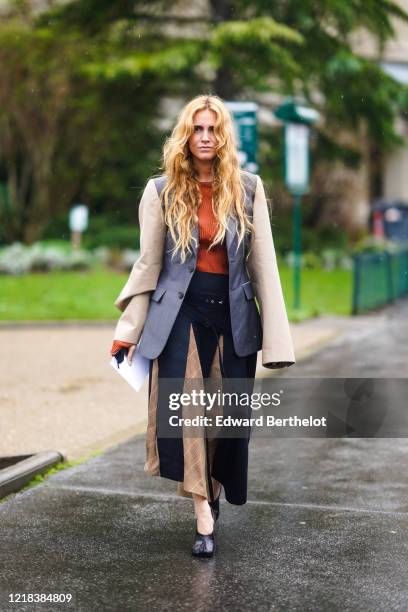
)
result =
(207, 298)
(215, 300)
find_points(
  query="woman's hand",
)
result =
(130, 352)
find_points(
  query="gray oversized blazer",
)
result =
(151, 273)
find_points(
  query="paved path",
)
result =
(325, 527)
(373, 346)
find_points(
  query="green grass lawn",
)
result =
(90, 295)
(322, 292)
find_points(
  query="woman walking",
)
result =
(206, 253)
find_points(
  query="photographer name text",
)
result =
(260, 421)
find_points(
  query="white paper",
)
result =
(135, 373)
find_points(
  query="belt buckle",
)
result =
(214, 300)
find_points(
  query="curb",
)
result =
(24, 468)
(318, 345)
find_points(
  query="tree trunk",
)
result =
(223, 10)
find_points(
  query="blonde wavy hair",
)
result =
(181, 196)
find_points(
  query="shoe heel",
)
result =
(215, 507)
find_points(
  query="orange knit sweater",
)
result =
(214, 260)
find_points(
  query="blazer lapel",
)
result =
(231, 237)
(194, 243)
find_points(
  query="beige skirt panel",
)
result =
(195, 460)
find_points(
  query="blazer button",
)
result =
(191, 269)
(180, 294)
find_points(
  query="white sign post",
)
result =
(78, 222)
(297, 157)
(297, 118)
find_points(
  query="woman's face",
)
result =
(202, 141)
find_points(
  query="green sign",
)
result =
(246, 129)
(290, 112)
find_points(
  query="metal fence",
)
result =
(379, 279)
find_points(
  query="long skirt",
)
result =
(200, 349)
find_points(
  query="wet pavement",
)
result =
(325, 527)
(377, 350)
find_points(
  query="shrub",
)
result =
(328, 259)
(314, 239)
(128, 258)
(19, 259)
(372, 244)
(119, 236)
(103, 230)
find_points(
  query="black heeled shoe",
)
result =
(204, 544)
